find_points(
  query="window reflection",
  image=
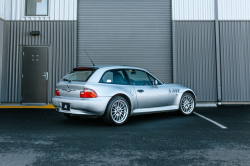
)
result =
(36, 7)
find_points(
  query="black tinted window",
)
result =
(114, 77)
(138, 77)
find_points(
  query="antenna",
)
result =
(89, 57)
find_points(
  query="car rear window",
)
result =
(81, 76)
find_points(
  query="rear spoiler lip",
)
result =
(85, 68)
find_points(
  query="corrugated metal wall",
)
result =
(134, 33)
(58, 10)
(194, 57)
(235, 60)
(193, 9)
(1, 50)
(194, 43)
(60, 36)
(234, 9)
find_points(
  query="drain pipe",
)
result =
(218, 58)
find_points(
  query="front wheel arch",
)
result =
(192, 93)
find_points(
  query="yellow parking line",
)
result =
(40, 107)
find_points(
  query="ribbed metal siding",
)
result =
(234, 9)
(60, 36)
(58, 10)
(195, 61)
(235, 60)
(193, 9)
(1, 50)
(134, 33)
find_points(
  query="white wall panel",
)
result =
(234, 9)
(193, 9)
(58, 10)
(2, 8)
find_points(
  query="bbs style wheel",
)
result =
(117, 111)
(187, 104)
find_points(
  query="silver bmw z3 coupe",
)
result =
(117, 92)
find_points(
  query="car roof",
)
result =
(108, 67)
(103, 68)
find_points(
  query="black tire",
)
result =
(186, 108)
(123, 113)
(69, 116)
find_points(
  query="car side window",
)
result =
(138, 77)
(114, 77)
(152, 79)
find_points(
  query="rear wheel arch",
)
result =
(107, 117)
(125, 96)
(122, 95)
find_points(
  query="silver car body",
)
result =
(164, 98)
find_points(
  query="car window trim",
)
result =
(154, 78)
(150, 79)
(126, 75)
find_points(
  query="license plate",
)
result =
(66, 106)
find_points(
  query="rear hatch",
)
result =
(73, 83)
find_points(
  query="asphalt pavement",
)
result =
(44, 137)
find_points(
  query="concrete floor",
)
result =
(44, 137)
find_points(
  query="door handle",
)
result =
(140, 91)
(46, 75)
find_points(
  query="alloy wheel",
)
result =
(119, 111)
(187, 104)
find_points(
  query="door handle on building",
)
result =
(46, 75)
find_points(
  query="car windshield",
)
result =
(81, 76)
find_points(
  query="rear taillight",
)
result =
(88, 93)
(57, 92)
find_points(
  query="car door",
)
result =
(148, 95)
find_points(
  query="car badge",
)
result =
(68, 88)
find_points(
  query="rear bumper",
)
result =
(82, 106)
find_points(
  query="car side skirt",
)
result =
(155, 110)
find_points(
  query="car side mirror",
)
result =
(155, 83)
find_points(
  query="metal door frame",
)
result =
(20, 74)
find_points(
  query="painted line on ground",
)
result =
(221, 126)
